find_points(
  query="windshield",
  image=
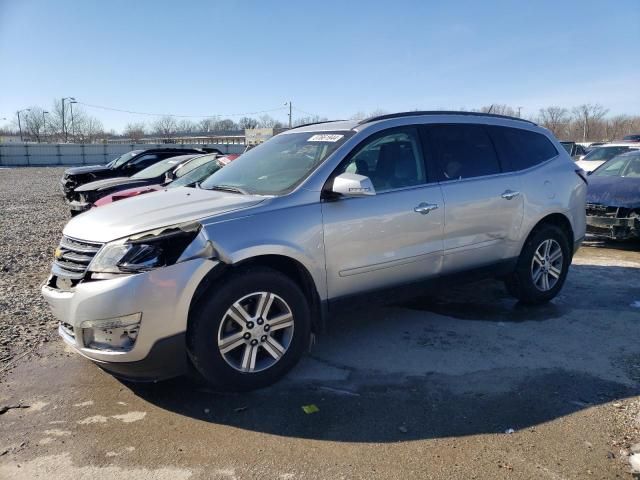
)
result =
(197, 174)
(193, 164)
(627, 165)
(116, 162)
(278, 165)
(602, 154)
(161, 167)
(567, 146)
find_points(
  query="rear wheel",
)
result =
(542, 267)
(251, 331)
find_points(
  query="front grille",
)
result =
(73, 257)
(599, 210)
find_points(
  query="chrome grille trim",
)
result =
(75, 257)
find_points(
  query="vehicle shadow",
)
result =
(466, 361)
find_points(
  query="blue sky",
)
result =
(331, 58)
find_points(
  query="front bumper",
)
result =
(614, 228)
(163, 297)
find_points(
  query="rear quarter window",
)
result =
(521, 149)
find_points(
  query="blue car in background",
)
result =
(613, 198)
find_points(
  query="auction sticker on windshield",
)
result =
(325, 137)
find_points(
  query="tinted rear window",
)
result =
(463, 151)
(521, 149)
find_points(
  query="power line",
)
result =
(102, 107)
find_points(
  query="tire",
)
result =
(527, 282)
(221, 340)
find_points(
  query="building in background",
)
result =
(255, 136)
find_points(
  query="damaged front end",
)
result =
(617, 223)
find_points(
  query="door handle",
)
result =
(425, 208)
(509, 194)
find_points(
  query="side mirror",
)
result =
(353, 185)
(169, 176)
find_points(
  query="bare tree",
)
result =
(186, 127)
(207, 125)
(33, 124)
(555, 119)
(135, 131)
(267, 121)
(309, 119)
(89, 129)
(588, 115)
(618, 126)
(165, 126)
(247, 122)
(499, 109)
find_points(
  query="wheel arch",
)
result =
(559, 220)
(284, 264)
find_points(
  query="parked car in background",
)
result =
(187, 179)
(123, 166)
(631, 138)
(613, 198)
(234, 276)
(574, 150)
(599, 155)
(163, 171)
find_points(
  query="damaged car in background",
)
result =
(161, 173)
(613, 198)
(125, 165)
(191, 176)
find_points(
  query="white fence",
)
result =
(50, 154)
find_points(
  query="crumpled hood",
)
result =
(154, 210)
(87, 169)
(614, 191)
(111, 182)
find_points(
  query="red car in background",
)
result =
(189, 179)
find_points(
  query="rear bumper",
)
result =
(615, 228)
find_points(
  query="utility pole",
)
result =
(73, 125)
(289, 103)
(19, 124)
(44, 124)
(519, 110)
(64, 126)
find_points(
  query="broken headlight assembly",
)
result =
(144, 251)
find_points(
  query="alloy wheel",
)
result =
(255, 332)
(546, 265)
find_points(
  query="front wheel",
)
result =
(542, 266)
(250, 331)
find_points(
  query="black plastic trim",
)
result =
(441, 112)
(166, 359)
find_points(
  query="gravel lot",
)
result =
(31, 220)
(427, 389)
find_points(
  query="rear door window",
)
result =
(521, 149)
(463, 151)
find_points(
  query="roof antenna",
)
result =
(490, 108)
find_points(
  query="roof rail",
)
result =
(441, 112)
(315, 123)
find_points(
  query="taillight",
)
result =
(583, 175)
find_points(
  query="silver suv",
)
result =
(231, 278)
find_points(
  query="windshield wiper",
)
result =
(228, 188)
